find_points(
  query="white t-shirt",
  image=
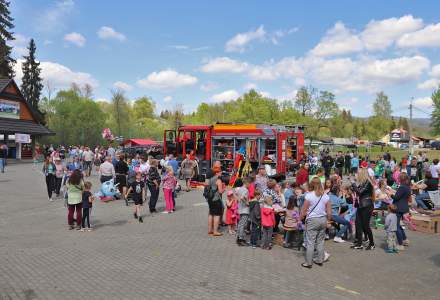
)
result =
(320, 209)
(88, 155)
(370, 172)
(434, 170)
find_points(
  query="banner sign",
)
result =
(9, 109)
(22, 138)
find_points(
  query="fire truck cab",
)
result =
(238, 146)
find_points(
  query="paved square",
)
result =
(172, 257)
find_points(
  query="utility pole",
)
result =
(411, 144)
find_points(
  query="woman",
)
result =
(303, 174)
(316, 211)
(428, 185)
(400, 200)
(153, 182)
(49, 171)
(365, 206)
(75, 187)
(215, 204)
(121, 171)
(187, 167)
(59, 174)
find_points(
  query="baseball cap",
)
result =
(364, 164)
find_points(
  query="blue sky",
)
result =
(188, 52)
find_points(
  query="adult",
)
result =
(365, 206)
(316, 211)
(3, 156)
(210, 173)
(121, 171)
(347, 163)
(87, 156)
(339, 163)
(435, 168)
(106, 170)
(187, 166)
(59, 174)
(111, 152)
(261, 179)
(327, 164)
(75, 186)
(302, 176)
(49, 173)
(215, 204)
(153, 182)
(428, 185)
(172, 162)
(354, 164)
(400, 200)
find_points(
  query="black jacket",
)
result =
(340, 162)
(255, 213)
(400, 199)
(365, 192)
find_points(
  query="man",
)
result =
(107, 170)
(111, 152)
(261, 179)
(3, 156)
(347, 160)
(327, 163)
(340, 163)
(87, 158)
(172, 162)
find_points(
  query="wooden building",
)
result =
(20, 124)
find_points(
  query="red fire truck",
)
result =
(238, 146)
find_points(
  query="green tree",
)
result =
(31, 85)
(6, 25)
(304, 100)
(382, 106)
(121, 113)
(435, 115)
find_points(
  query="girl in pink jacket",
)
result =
(267, 223)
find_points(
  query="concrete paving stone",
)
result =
(172, 257)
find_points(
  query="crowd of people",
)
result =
(330, 196)
(66, 172)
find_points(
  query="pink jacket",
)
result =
(267, 216)
(169, 182)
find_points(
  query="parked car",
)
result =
(435, 145)
(404, 146)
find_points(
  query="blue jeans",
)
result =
(345, 225)
(419, 199)
(400, 233)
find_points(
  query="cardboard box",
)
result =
(426, 224)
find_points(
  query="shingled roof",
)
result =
(12, 126)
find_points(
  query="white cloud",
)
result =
(102, 100)
(240, 41)
(338, 40)
(250, 86)
(435, 71)
(53, 19)
(19, 45)
(225, 96)
(167, 99)
(224, 64)
(59, 75)
(108, 33)
(429, 84)
(209, 86)
(382, 34)
(426, 37)
(123, 86)
(423, 103)
(179, 47)
(166, 80)
(75, 38)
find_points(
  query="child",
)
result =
(255, 218)
(391, 228)
(267, 222)
(169, 184)
(243, 210)
(87, 200)
(231, 212)
(138, 188)
(292, 222)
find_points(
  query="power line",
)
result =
(421, 110)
